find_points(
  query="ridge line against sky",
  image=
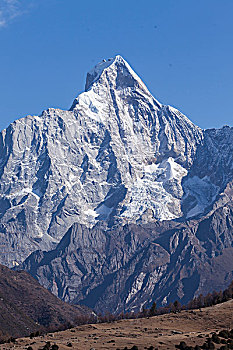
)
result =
(183, 52)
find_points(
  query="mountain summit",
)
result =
(116, 71)
(117, 156)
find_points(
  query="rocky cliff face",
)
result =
(119, 195)
(117, 153)
(126, 268)
(212, 170)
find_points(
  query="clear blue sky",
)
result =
(182, 50)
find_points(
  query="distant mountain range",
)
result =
(120, 200)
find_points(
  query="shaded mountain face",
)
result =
(25, 306)
(118, 175)
(126, 268)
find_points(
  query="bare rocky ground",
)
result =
(161, 332)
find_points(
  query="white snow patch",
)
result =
(90, 212)
(166, 170)
(93, 106)
(149, 192)
(204, 192)
(23, 192)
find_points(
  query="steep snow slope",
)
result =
(116, 155)
(212, 170)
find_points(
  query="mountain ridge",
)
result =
(88, 164)
(26, 307)
(117, 165)
(126, 268)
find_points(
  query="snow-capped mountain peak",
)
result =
(117, 155)
(117, 71)
(111, 75)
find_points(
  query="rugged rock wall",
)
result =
(131, 266)
(121, 200)
(115, 154)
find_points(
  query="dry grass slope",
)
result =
(161, 332)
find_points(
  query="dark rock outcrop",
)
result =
(27, 307)
(128, 267)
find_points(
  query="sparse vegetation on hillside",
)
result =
(196, 303)
(175, 307)
(28, 308)
(60, 322)
(222, 341)
(207, 328)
